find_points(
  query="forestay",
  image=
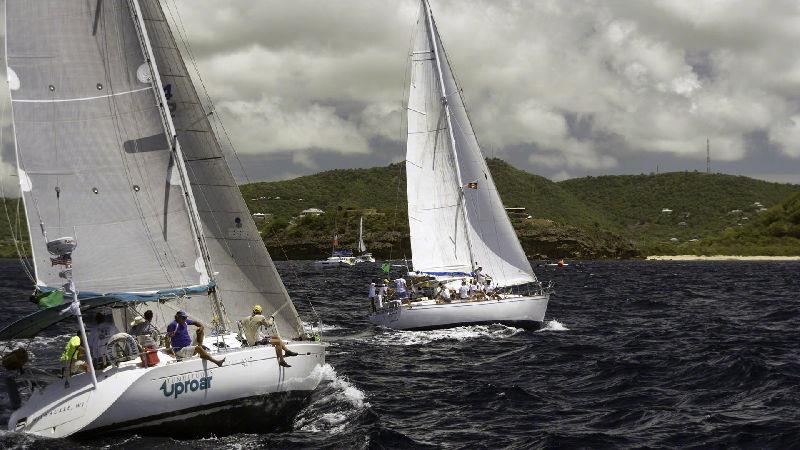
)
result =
(440, 202)
(93, 159)
(244, 272)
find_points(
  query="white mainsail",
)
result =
(361, 246)
(96, 161)
(457, 220)
(93, 158)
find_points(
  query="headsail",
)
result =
(93, 159)
(441, 196)
(244, 272)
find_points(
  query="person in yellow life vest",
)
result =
(253, 323)
(70, 358)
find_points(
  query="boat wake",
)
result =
(405, 338)
(334, 405)
(553, 325)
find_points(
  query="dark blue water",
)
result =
(634, 354)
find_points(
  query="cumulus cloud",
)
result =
(584, 86)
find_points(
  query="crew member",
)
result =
(180, 342)
(99, 334)
(372, 296)
(252, 325)
(70, 358)
(463, 291)
(382, 291)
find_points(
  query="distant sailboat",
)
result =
(338, 258)
(129, 198)
(457, 222)
(362, 255)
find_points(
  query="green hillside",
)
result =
(12, 217)
(702, 205)
(774, 232)
(592, 217)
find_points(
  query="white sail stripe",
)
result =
(80, 99)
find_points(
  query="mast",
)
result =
(177, 154)
(435, 46)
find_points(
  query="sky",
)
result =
(562, 89)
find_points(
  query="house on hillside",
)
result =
(262, 216)
(311, 212)
(517, 212)
(666, 211)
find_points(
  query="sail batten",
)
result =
(458, 221)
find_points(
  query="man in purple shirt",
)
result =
(181, 343)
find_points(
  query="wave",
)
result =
(406, 338)
(333, 406)
(553, 325)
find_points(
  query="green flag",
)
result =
(385, 267)
(50, 299)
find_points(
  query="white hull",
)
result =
(515, 310)
(165, 398)
(336, 261)
(366, 257)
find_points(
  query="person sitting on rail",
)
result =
(252, 325)
(180, 343)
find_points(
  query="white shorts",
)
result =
(185, 352)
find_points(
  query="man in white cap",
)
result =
(252, 325)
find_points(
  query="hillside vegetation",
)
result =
(594, 217)
(701, 205)
(775, 232)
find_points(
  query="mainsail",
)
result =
(97, 162)
(94, 162)
(456, 217)
(361, 246)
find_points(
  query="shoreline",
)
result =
(720, 258)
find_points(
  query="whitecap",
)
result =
(398, 337)
(553, 325)
(336, 403)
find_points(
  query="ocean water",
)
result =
(632, 354)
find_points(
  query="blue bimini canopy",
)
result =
(30, 325)
(448, 274)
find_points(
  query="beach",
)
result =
(720, 258)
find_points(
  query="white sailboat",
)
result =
(338, 258)
(129, 198)
(456, 218)
(363, 255)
